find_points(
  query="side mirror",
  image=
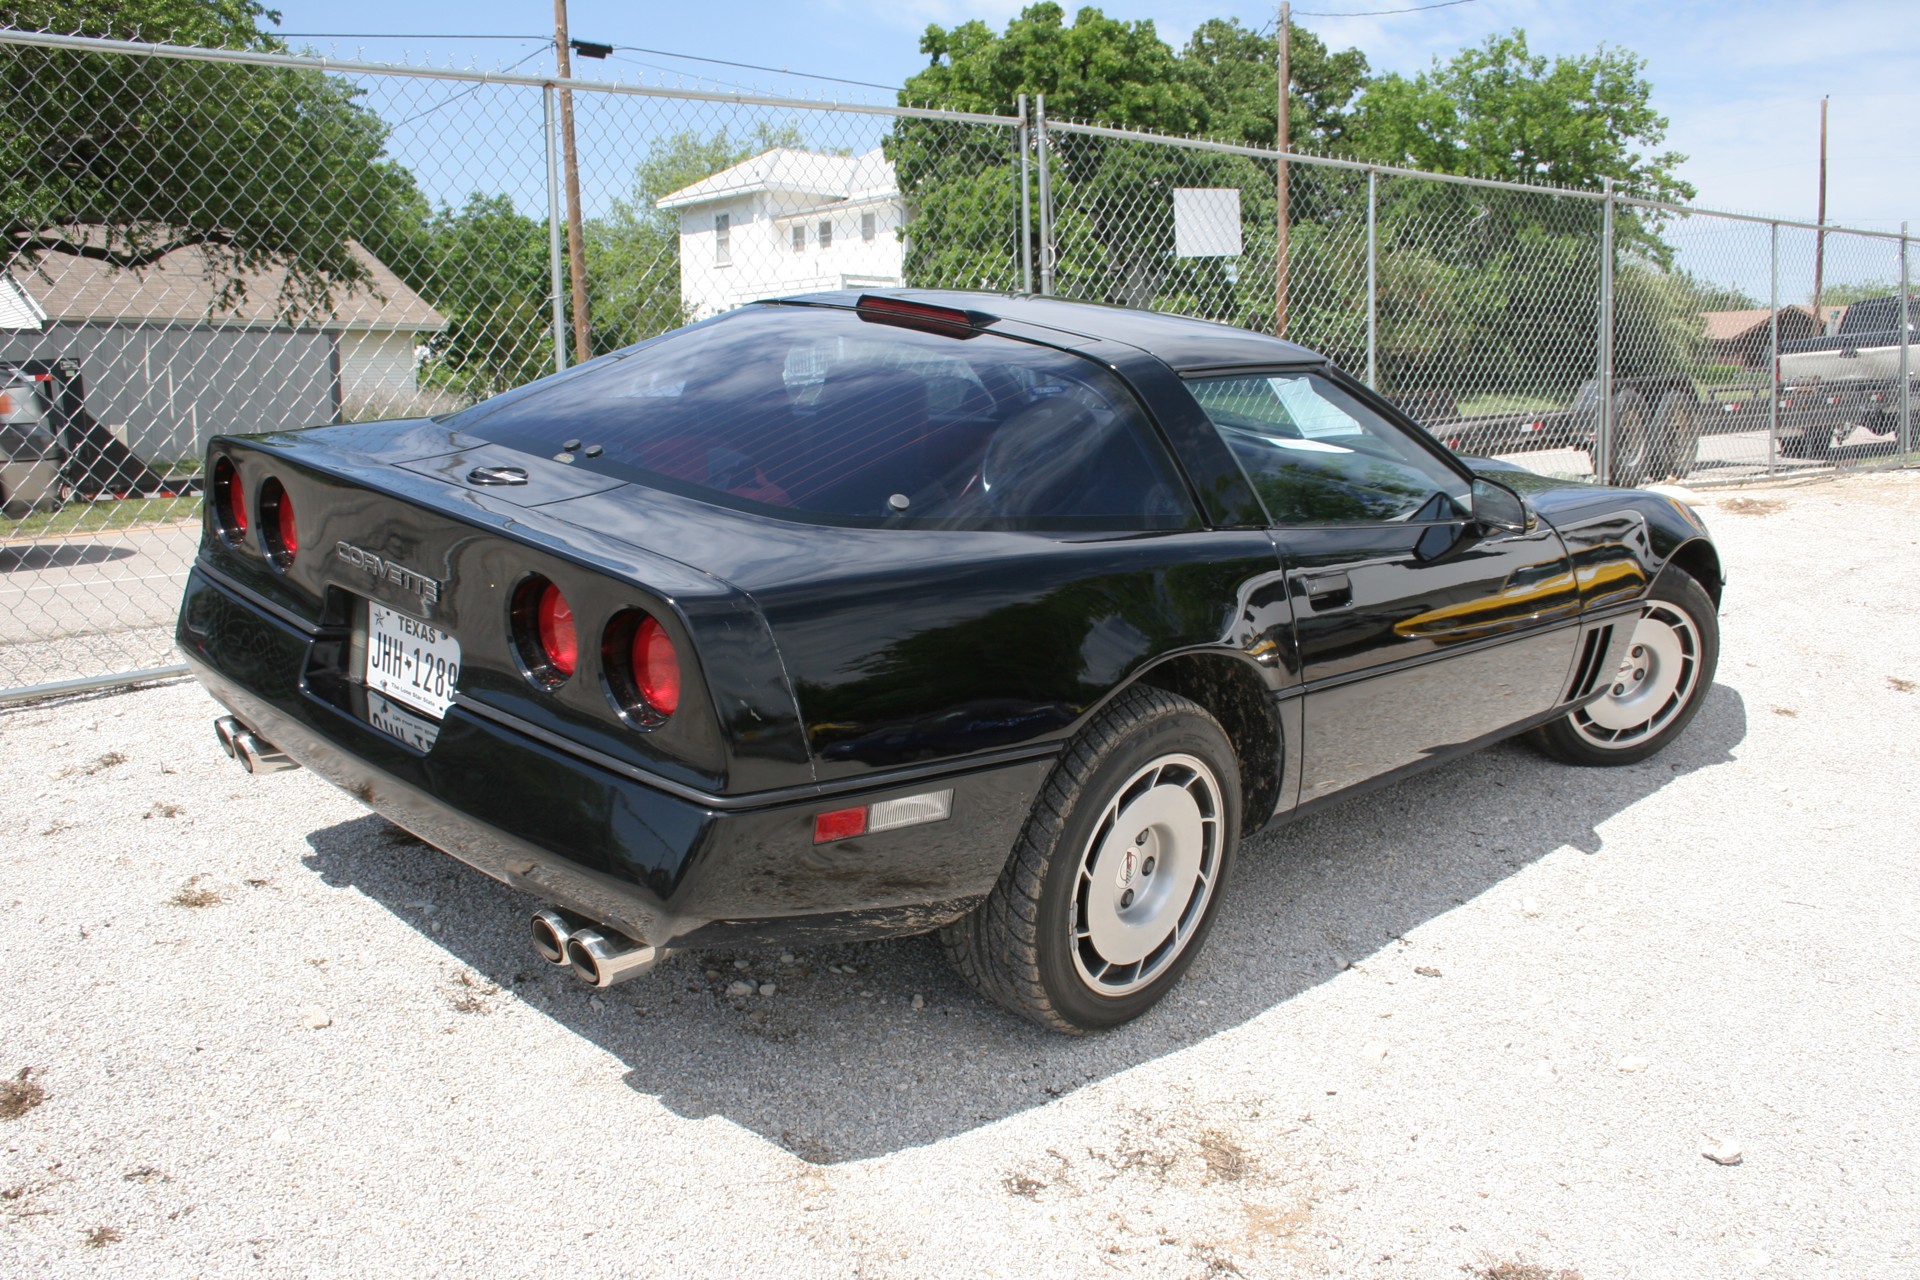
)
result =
(1499, 508)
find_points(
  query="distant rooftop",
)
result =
(783, 169)
(179, 289)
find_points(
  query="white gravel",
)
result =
(1506, 1019)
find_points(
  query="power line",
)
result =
(455, 97)
(778, 71)
(629, 48)
(394, 35)
(1378, 13)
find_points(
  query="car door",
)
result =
(1420, 629)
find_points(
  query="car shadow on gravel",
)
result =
(886, 1049)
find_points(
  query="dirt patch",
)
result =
(20, 1095)
(100, 765)
(1511, 1270)
(1749, 507)
(190, 895)
(101, 1237)
(161, 809)
(472, 993)
(1898, 685)
(1227, 1160)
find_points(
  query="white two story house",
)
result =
(785, 222)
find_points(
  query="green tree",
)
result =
(125, 159)
(484, 267)
(1498, 110)
(1113, 231)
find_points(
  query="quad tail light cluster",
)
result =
(637, 656)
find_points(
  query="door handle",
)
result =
(1328, 591)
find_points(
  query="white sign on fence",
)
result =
(1206, 222)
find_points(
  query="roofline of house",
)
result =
(202, 322)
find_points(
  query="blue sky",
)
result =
(1740, 81)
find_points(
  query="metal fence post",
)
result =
(1773, 352)
(1905, 434)
(1373, 279)
(1603, 436)
(1046, 197)
(1026, 203)
(557, 286)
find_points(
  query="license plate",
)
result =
(410, 661)
(394, 720)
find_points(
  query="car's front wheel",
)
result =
(1656, 691)
(1117, 876)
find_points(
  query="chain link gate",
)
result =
(1573, 332)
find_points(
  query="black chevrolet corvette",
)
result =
(849, 616)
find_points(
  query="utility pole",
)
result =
(576, 240)
(1820, 236)
(1281, 141)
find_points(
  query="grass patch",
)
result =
(1475, 406)
(101, 517)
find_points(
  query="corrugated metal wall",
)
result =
(173, 386)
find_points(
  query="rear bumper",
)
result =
(659, 867)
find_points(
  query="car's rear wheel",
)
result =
(1656, 691)
(1118, 874)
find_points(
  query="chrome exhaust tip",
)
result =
(550, 932)
(599, 962)
(224, 729)
(261, 756)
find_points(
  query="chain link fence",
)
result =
(207, 241)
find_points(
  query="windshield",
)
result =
(815, 413)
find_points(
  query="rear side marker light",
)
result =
(278, 527)
(840, 824)
(887, 815)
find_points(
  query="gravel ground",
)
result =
(1482, 1023)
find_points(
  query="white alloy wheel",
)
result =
(1147, 874)
(1656, 680)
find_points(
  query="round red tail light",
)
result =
(558, 640)
(277, 525)
(656, 667)
(229, 500)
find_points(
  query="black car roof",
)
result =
(1182, 342)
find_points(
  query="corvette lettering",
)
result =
(382, 569)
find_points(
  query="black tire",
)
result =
(1029, 946)
(1611, 731)
(1677, 435)
(1633, 445)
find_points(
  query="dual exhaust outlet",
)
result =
(254, 753)
(595, 958)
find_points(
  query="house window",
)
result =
(826, 235)
(722, 239)
(799, 237)
(866, 226)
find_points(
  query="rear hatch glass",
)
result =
(812, 413)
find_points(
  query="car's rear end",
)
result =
(523, 633)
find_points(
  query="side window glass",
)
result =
(1316, 455)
